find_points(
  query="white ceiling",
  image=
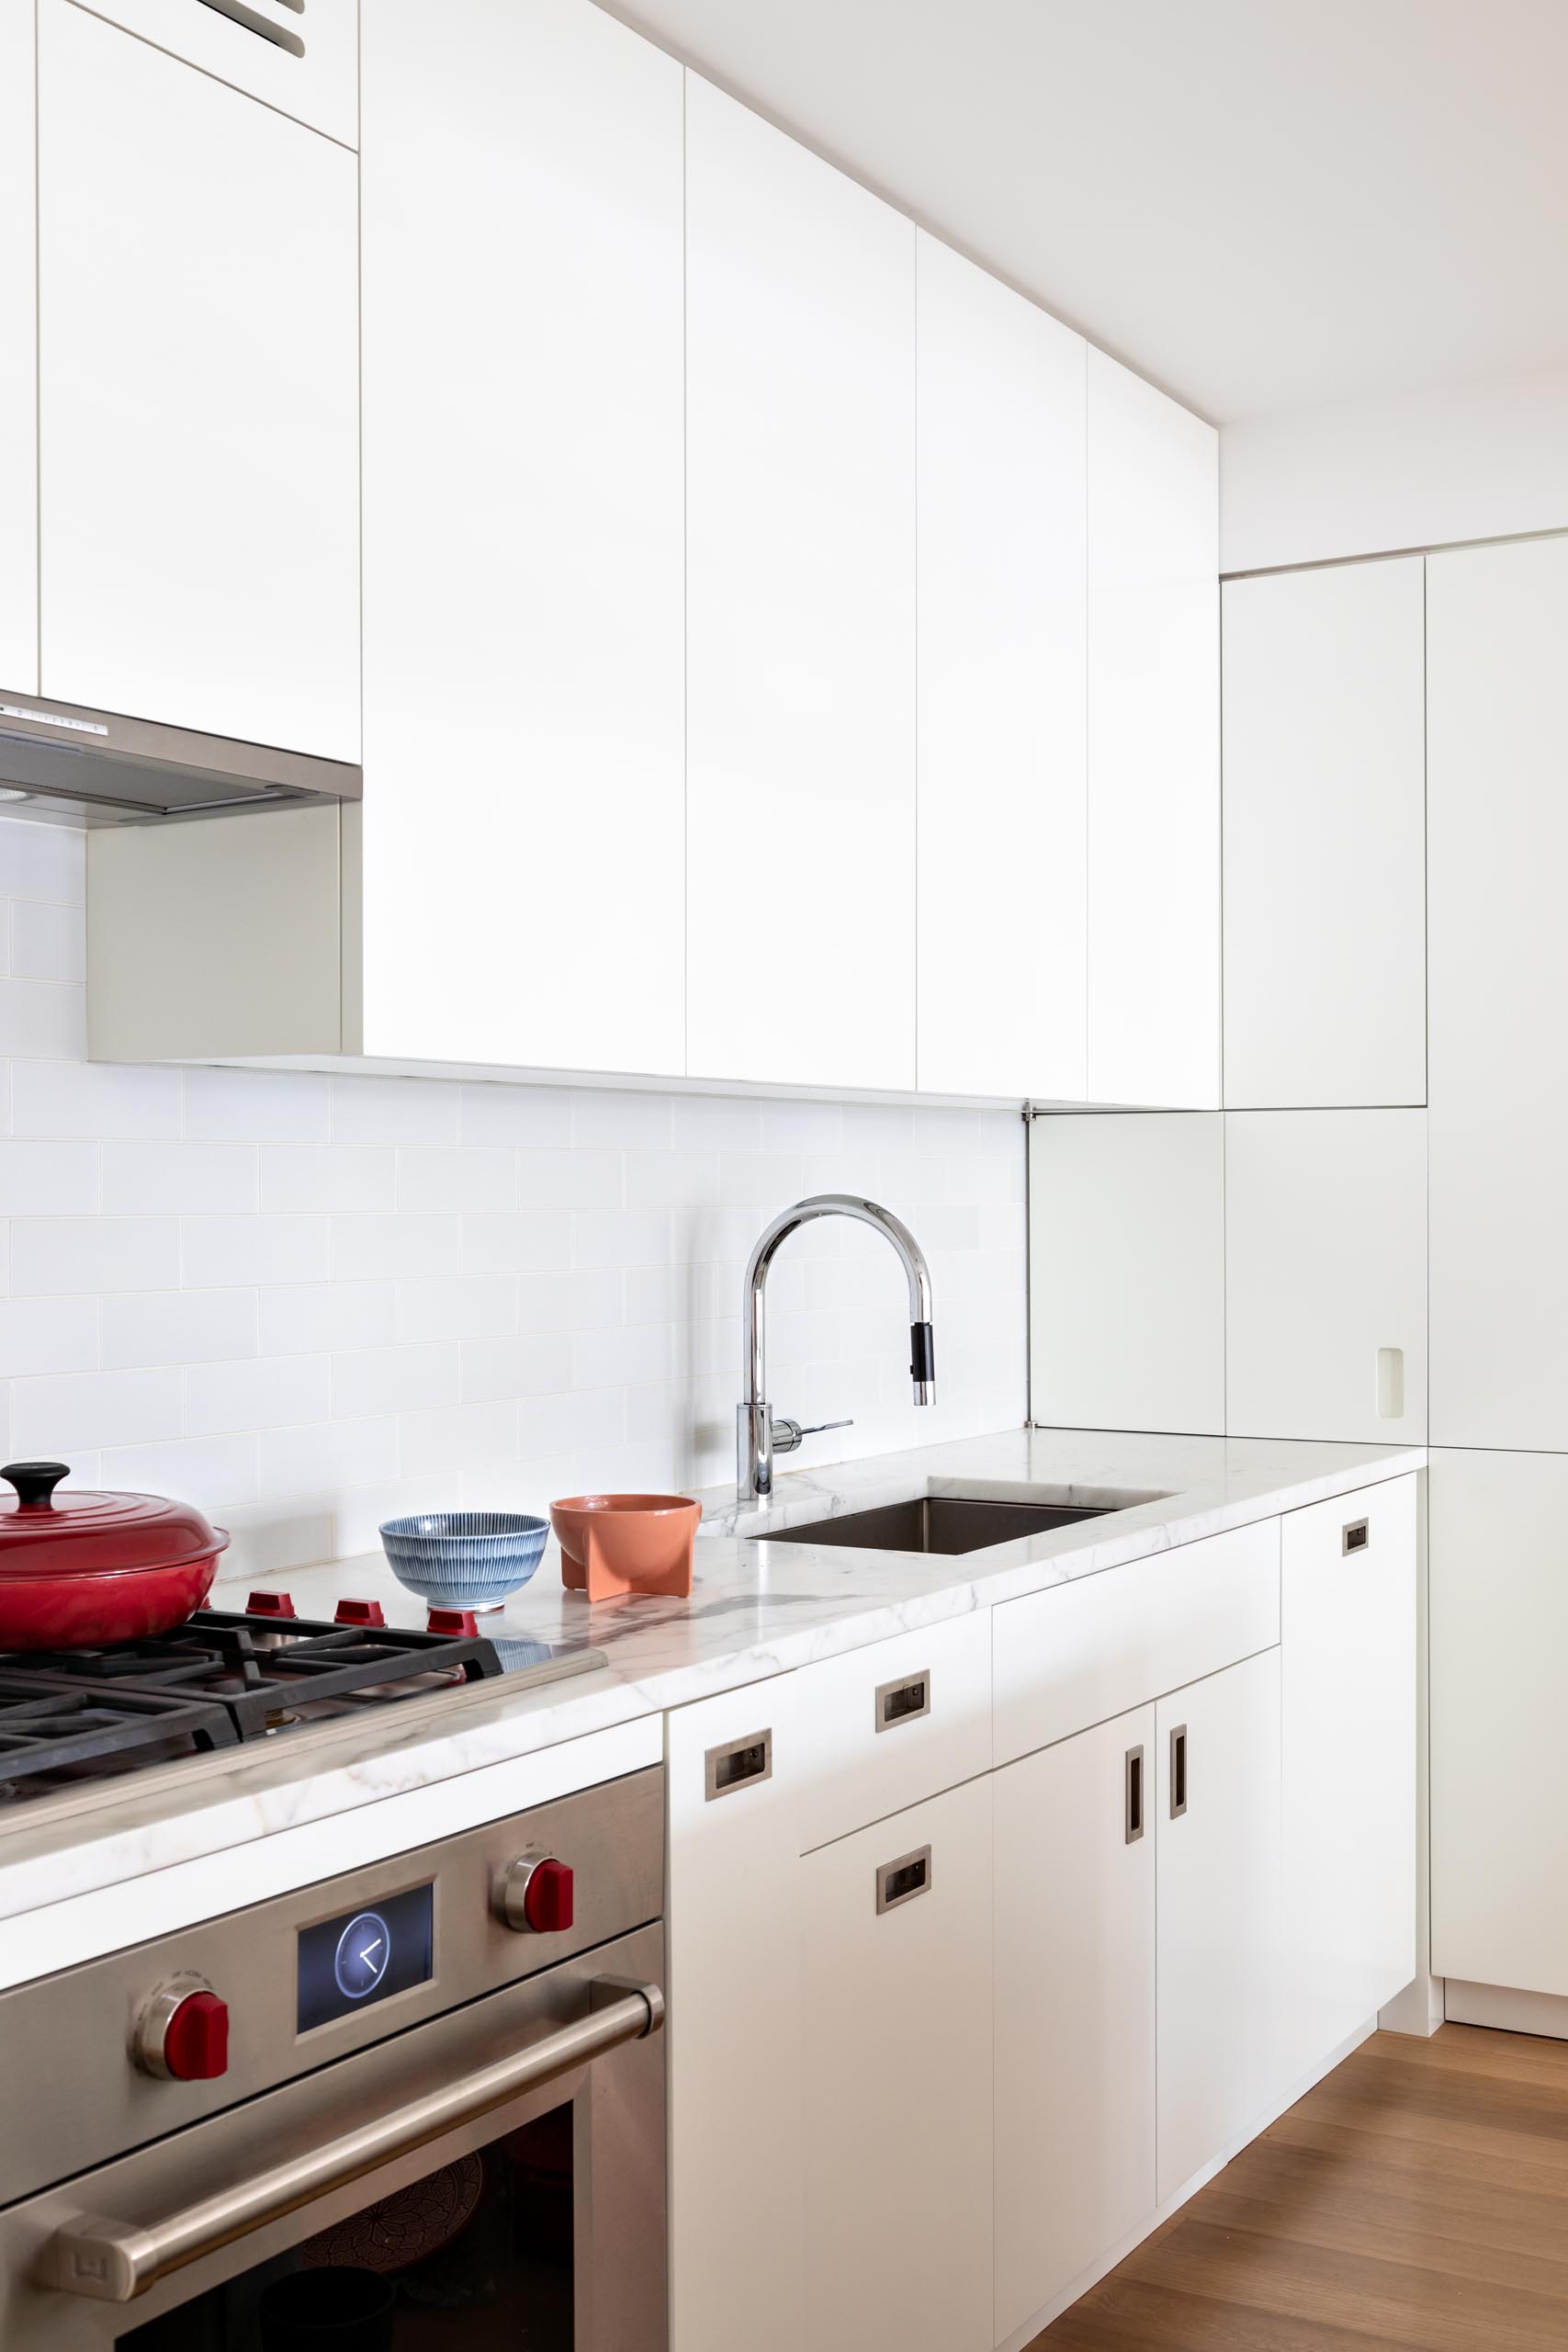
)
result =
(1264, 205)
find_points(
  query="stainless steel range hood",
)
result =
(133, 769)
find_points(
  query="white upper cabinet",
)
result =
(999, 409)
(1498, 851)
(198, 398)
(1325, 837)
(1326, 1274)
(523, 861)
(1153, 750)
(800, 599)
(18, 358)
(300, 58)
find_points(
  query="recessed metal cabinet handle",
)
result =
(904, 1701)
(899, 1882)
(1178, 1771)
(738, 1764)
(238, 13)
(1132, 1793)
(1356, 1537)
(116, 2261)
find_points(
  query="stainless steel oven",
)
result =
(417, 2107)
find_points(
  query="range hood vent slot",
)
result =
(141, 769)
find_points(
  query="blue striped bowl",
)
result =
(465, 1559)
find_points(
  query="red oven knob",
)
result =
(182, 2035)
(536, 1896)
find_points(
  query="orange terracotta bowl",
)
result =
(616, 1544)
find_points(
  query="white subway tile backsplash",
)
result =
(58, 1415)
(267, 1392)
(369, 1249)
(395, 1110)
(308, 1302)
(190, 1179)
(48, 942)
(42, 1020)
(39, 1335)
(106, 1099)
(93, 1253)
(458, 1176)
(457, 1306)
(221, 1251)
(38, 1179)
(397, 1379)
(257, 1105)
(178, 1326)
(336, 1177)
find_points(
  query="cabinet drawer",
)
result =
(302, 60)
(1079, 1653)
(890, 1724)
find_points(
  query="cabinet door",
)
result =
(733, 1937)
(1499, 1634)
(896, 2029)
(999, 410)
(1217, 1808)
(1127, 1268)
(800, 588)
(1074, 2008)
(18, 357)
(1325, 837)
(303, 64)
(1326, 1274)
(198, 398)
(525, 888)
(1154, 747)
(1348, 1652)
(1497, 820)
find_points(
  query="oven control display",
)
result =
(348, 1963)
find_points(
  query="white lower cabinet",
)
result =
(1348, 1669)
(896, 2070)
(736, 2159)
(1074, 2008)
(1217, 1807)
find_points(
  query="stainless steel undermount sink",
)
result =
(946, 1523)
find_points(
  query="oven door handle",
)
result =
(117, 2261)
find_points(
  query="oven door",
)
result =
(494, 2177)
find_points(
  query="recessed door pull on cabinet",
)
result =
(1132, 1776)
(279, 35)
(1177, 1771)
(1356, 1537)
(738, 1763)
(904, 1701)
(900, 1881)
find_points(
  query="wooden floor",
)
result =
(1418, 2197)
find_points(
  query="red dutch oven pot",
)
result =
(79, 1568)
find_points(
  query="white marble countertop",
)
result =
(754, 1610)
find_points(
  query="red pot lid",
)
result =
(80, 1533)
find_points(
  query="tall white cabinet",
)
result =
(18, 356)
(999, 405)
(1154, 747)
(800, 604)
(1325, 816)
(1498, 851)
(523, 885)
(199, 389)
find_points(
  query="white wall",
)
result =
(1471, 461)
(307, 1302)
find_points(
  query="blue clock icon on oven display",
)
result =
(364, 1951)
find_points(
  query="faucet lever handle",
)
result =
(787, 1434)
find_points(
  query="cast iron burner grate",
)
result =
(262, 1673)
(51, 1735)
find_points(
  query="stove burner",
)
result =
(216, 1679)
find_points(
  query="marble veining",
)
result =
(756, 1610)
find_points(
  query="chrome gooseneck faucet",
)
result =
(758, 1436)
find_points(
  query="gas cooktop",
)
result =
(72, 1716)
